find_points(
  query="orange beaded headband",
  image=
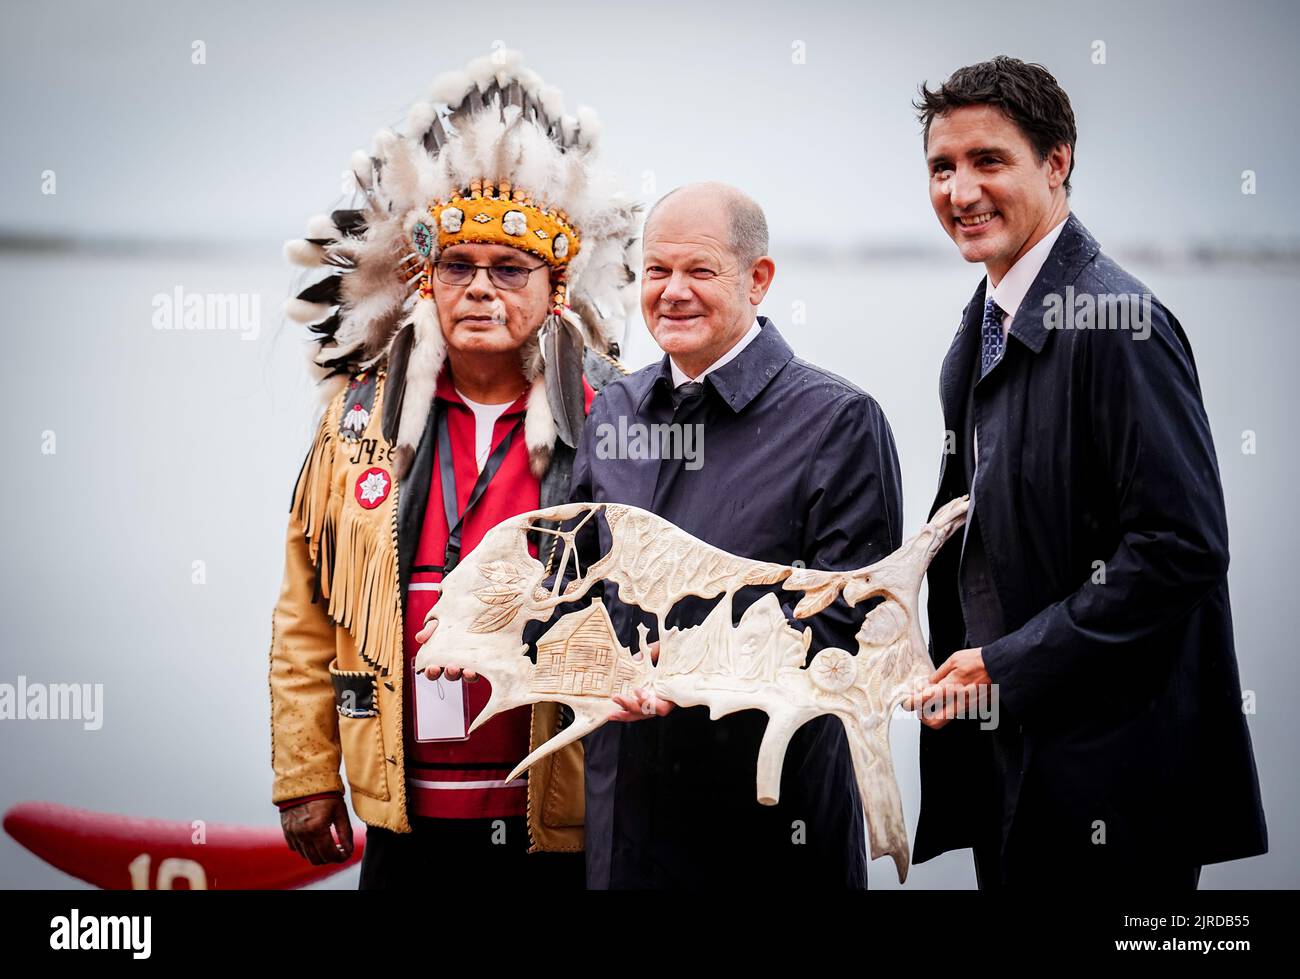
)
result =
(499, 216)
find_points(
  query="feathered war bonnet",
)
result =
(488, 156)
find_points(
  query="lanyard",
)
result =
(447, 474)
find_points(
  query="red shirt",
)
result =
(466, 779)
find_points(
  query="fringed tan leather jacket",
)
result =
(339, 615)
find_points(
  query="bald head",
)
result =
(706, 269)
(720, 206)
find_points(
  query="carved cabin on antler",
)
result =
(581, 655)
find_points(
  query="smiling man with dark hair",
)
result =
(1090, 589)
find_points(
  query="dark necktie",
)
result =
(992, 340)
(687, 394)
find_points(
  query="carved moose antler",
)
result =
(758, 663)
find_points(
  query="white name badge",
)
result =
(441, 709)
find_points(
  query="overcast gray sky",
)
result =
(247, 145)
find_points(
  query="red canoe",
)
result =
(127, 853)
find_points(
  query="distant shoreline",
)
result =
(1269, 256)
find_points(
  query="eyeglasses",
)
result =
(502, 276)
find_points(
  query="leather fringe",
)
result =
(363, 588)
(311, 495)
(356, 565)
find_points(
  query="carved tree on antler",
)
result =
(756, 663)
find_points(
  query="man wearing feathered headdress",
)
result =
(466, 314)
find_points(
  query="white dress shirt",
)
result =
(680, 377)
(1011, 291)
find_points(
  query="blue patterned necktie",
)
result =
(992, 340)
